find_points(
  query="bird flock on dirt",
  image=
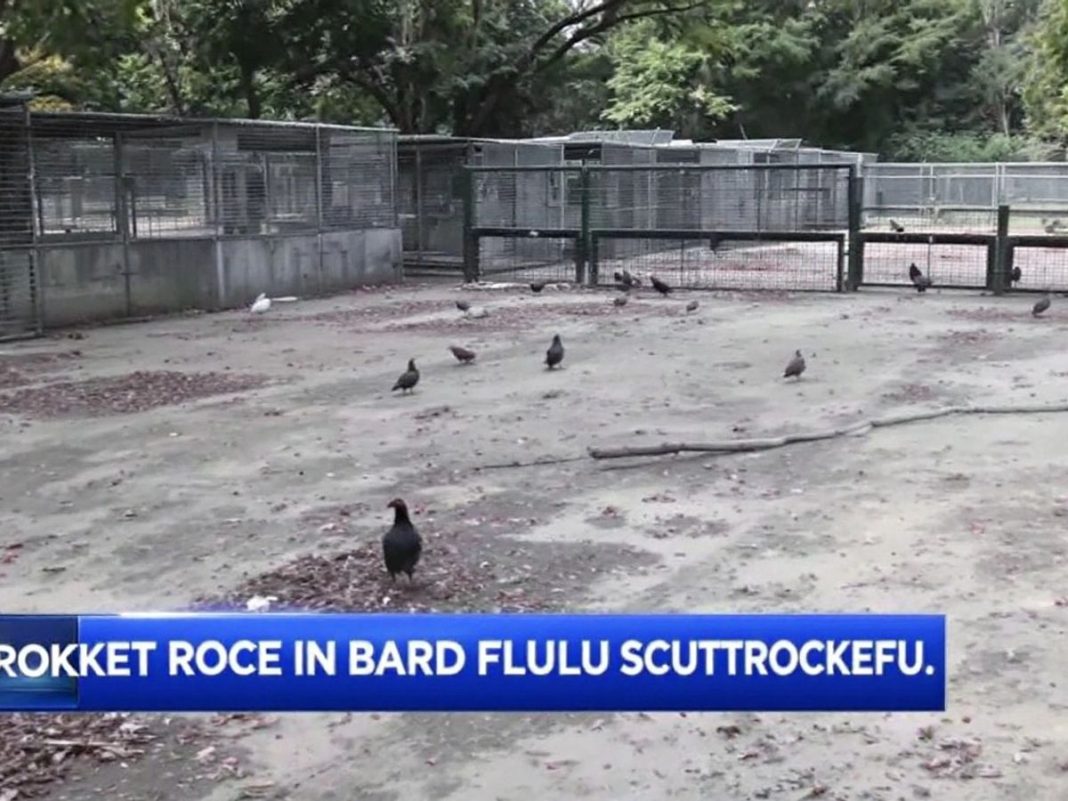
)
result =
(402, 545)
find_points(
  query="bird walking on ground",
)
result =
(401, 546)
(1042, 305)
(463, 355)
(1015, 275)
(537, 287)
(620, 300)
(555, 354)
(261, 304)
(919, 280)
(659, 285)
(692, 306)
(1051, 226)
(896, 227)
(795, 367)
(408, 379)
(463, 306)
(631, 280)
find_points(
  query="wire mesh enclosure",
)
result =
(774, 226)
(125, 176)
(1036, 253)
(430, 191)
(119, 214)
(948, 264)
(695, 261)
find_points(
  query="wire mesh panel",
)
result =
(720, 198)
(526, 199)
(75, 172)
(958, 265)
(357, 178)
(693, 261)
(528, 258)
(1041, 268)
(18, 293)
(167, 183)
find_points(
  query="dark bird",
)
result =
(617, 276)
(1042, 305)
(401, 546)
(555, 354)
(919, 280)
(537, 287)
(631, 280)
(660, 286)
(795, 367)
(692, 306)
(1015, 275)
(463, 305)
(463, 355)
(408, 379)
(896, 227)
(620, 300)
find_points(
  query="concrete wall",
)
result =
(88, 282)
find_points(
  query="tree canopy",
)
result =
(939, 79)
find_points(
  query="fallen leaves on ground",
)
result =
(123, 394)
(38, 749)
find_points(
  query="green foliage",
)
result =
(661, 83)
(936, 79)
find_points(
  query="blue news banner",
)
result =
(299, 662)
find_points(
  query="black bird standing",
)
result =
(919, 280)
(555, 354)
(897, 227)
(1041, 306)
(463, 355)
(408, 379)
(795, 367)
(401, 546)
(537, 287)
(1015, 275)
(660, 286)
(463, 305)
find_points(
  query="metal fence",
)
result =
(77, 178)
(430, 197)
(772, 225)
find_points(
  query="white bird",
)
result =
(261, 304)
(260, 603)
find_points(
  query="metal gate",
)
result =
(704, 226)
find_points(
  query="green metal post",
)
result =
(471, 244)
(997, 273)
(582, 247)
(856, 242)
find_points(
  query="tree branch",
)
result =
(602, 27)
(747, 445)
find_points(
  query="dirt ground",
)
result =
(288, 444)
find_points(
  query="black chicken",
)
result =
(555, 354)
(401, 546)
(660, 286)
(463, 355)
(408, 379)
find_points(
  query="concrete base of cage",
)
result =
(88, 282)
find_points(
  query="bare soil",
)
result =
(272, 478)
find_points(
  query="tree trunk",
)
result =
(248, 88)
